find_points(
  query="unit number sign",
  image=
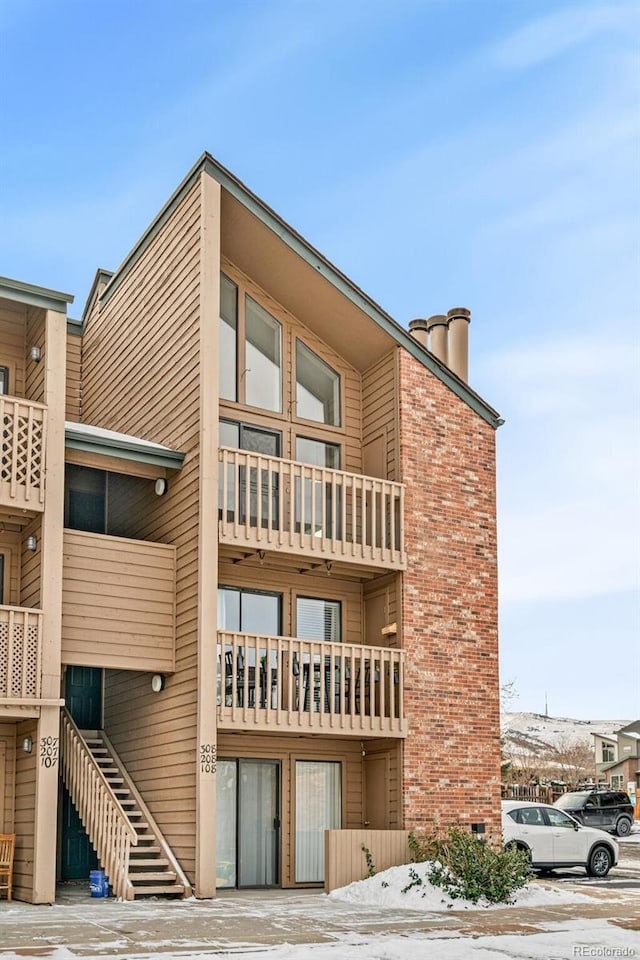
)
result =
(48, 751)
(208, 758)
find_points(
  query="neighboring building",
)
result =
(247, 560)
(618, 757)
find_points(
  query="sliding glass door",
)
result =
(248, 823)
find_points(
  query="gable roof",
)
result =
(297, 243)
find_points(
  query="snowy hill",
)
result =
(536, 733)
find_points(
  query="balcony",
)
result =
(283, 684)
(269, 504)
(20, 658)
(22, 446)
(118, 602)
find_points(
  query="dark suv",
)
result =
(605, 809)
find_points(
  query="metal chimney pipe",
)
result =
(459, 319)
(418, 330)
(437, 327)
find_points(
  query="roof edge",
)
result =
(296, 242)
(123, 449)
(35, 296)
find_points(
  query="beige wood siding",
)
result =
(287, 750)
(140, 376)
(13, 333)
(380, 413)
(25, 802)
(30, 574)
(349, 434)
(118, 600)
(382, 611)
(7, 775)
(74, 376)
(34, 386)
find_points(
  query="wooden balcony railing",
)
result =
(22, 446)
(101, 812)
(273, 504)
(20, 655)
(283, 683)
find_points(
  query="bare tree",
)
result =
(571, 760)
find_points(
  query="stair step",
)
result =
(143, 851)
(153, 891)
(148, 862)
(151, 876)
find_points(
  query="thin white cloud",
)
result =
(549, 36)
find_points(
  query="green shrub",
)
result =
(469, 869)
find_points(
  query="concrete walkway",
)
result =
(79, 926)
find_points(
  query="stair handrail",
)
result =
(148, 816)
(102, 814)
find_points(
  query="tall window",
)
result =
(318, 453)
(263, 491)
(250, 351)
(317, 388)
(318, 619)
(4, 379)
(263, 360)
(607, 753)
(318, 785)
(228, 347)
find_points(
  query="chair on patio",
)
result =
(7, 851)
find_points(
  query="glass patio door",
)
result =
(248, 823)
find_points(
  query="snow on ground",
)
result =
(385, 889)
(574, 938)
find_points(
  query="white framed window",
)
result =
(249, 351)
(317, 388)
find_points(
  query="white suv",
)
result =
(554, 839)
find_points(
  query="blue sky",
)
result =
(456, 152)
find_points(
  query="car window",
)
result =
(533, 816)
(593, 801)
(559, 819)
(611, 799)
(515, 815)
(571, 801)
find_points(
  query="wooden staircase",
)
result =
(131, 849)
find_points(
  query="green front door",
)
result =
(83, 698)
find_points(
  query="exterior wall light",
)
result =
(157, 682)
(36, 353)
(161, 486)
(27, 744)
(32, 542)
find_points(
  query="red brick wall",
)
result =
(450, 618)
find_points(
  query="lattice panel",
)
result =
(7, 447)
(19, 656)
(22, 450)
(4, 658)
(30, 678)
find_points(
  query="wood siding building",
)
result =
(247, 564)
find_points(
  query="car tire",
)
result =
(600, 861)
(623, 827)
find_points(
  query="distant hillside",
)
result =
(535, 734)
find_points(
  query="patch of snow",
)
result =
(386, 889)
